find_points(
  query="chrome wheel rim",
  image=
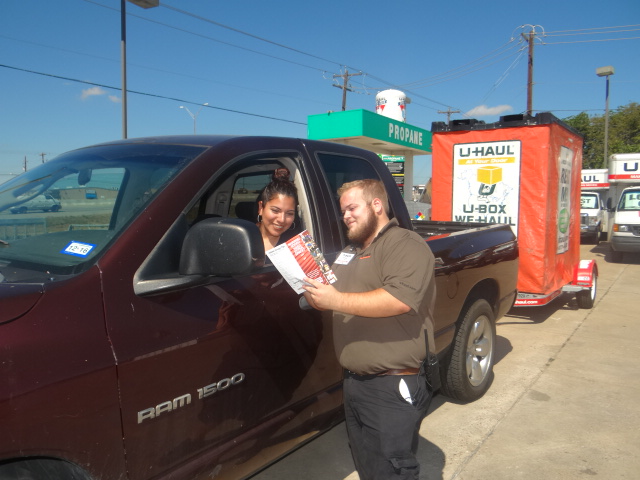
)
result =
(479, 350)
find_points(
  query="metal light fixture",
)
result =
(606, 72)
(194, 115)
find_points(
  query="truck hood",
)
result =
(17, 299)
(631, 218)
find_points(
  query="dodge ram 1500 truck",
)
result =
(143, 335)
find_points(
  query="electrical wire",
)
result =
(206, 37)
(155, 69)
(461, 70)
(149, 94)
(590, 29)
(591, 41)
(233, 29)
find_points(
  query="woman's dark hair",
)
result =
(279, 185)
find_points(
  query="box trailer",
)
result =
(523, 171)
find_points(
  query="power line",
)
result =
(199, 17)
(155, 69)
(206, 37)
(591, 41)
(591, 29)
(489, 59)
(149, 94)
(590, 33)
(463, 69)
(242, 32)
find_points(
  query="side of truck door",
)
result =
(218, 379)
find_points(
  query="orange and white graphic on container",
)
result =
(486, 183)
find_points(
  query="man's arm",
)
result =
(375, 303)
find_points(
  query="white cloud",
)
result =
(114, 98)
(92, 92)
(485, 111)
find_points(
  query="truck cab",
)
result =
(625, 234)
(594, 217)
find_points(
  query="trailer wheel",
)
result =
(469, 370)
(586, 298)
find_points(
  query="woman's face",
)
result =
(277, 215)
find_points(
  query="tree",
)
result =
(624, 134)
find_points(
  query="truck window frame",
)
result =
(338, 169)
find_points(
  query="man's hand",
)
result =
(321, 296)
(376, 303)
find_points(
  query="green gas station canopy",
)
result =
(366, 129)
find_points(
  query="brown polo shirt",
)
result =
(400, 262)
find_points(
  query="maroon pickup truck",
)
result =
(143, 336)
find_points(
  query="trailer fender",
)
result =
(585, 273)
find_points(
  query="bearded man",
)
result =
(382, 307)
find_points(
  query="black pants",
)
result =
(383, 426)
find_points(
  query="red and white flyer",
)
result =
(300, 257)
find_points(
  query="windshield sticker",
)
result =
(78, 249)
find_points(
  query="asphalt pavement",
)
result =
(563, 404)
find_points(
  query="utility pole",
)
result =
(345, 86)
(24, 167)
(448, 112)
(42, 155)
(530, 38)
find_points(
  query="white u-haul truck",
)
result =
(624, 204)
(594, 216)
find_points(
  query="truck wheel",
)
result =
(586, 298)
(39, 469)
(469, 370)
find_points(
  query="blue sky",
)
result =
(264, 67)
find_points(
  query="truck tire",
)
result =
(468, 371)
(40, 469)
(586, 298)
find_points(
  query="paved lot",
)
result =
(563, 404)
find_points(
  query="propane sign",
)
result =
(486, 185)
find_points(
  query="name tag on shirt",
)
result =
(344, 258)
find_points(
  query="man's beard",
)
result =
(365, 230)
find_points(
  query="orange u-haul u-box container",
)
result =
(523, 171)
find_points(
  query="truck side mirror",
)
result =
(609, 204)
(222, 247)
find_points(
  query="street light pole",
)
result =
(194, 115)
(123, 68)
(123, 52)
(606, 72)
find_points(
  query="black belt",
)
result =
(392, 371)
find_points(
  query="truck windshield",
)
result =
(59, 217)
(588, 201)
(630, 201)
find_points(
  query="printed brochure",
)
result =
(300, 257)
